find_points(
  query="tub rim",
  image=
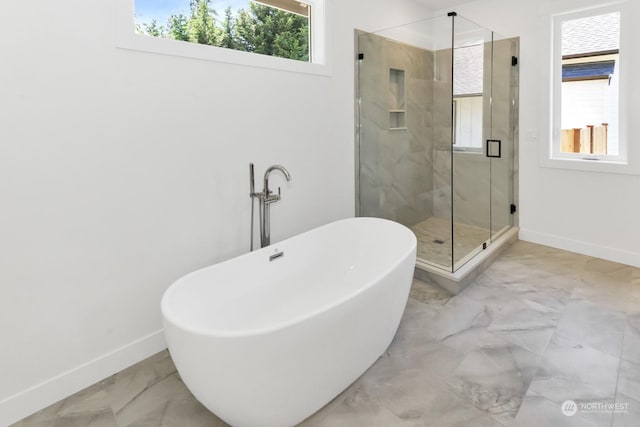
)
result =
(278, 326)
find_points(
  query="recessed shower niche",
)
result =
(397, 109)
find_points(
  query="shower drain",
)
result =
(438, 241)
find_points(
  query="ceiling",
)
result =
(442, 4)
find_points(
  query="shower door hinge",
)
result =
(514, 61)
(361, 56)
(513, 208)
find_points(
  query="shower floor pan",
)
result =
(434, 252)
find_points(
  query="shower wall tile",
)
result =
(471, 184)
(442, 93)
(395, 165)
(442, 184)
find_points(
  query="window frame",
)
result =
(128, 38)
(628, 159)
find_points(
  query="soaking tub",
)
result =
(268, 338)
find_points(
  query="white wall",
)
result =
(592, 213)
(120, 171)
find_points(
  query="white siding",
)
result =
(469, 122)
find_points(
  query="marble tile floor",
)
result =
(434, 240)
(539, 327)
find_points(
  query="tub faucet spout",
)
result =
(267, 193)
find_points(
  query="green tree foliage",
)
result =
(274, 32)
(202, 25)
(228, 31)
(245, 31)
(152, 29)
(260, 29)
(178, 27)
(293, 44)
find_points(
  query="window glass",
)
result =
(271, 27)
(587, 105)
(467, 96)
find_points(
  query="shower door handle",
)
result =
(494, 148)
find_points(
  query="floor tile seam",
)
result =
(414, 300)
(562, 314)
(587, 347)
(621, 358)
(165, 408)
(376, 401)
(543, 353)
(542, 357)
(626, 396)
(595, 397)
(93, 413)
(593, 301)
(463, 399)
(65, 403)
(468, 328)
(533, 377)
(141, 392)
(537, 395)
(459, 394)
(613, 356)
(430, 302)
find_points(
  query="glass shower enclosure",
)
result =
(436, 123)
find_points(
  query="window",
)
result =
(467, 97)
(282, 34)
(270, 27)
(587, 79)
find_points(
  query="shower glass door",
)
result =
(471, 164)
(504, 108)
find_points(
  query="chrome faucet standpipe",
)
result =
(265, 198)
(252, 194)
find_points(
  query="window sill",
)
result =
(597, 166)
(183, 49)
(467, 150)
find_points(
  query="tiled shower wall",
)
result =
(396, 179)
(441, 102)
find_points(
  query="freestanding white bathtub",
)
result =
(268, 343)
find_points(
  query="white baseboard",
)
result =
(39, 396)
(585, 248)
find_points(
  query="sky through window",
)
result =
(160, 10)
